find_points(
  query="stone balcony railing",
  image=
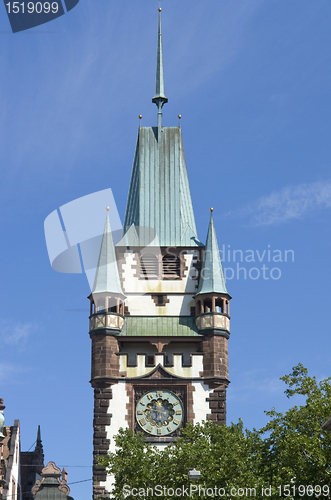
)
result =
(106, 320)
(213, 321)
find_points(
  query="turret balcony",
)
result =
(213, 321)
(104, 320)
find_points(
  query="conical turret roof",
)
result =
(107, 279)
(212, 277)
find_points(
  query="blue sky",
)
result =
(251, 79)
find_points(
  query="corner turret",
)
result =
(212, 301)
(107, 297)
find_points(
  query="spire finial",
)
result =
(159, 97)
(211, 209)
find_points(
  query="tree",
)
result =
(295, 447)
(292, 450)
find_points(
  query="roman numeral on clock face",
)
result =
(159, 412)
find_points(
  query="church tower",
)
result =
(159, 314)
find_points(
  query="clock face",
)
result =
(159, 412)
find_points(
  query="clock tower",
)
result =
(159, 308)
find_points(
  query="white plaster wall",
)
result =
(200, 405)
(144, 305)
(132, 284)
(117, 407)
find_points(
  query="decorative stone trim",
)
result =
(156, 299)
(183, 266)
(136, 267)
(190, 412)
(120, 260)
(101, 444)
(197, 264)
(129, 417)
(217, 405)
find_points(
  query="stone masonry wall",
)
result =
(105, 362)
(215, 360)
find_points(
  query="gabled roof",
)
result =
(107, 279)
(211, 277)
(159, 194)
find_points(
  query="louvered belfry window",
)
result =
(149, 266)
(171, 266)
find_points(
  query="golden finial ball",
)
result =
(179, 116)
(160, 9)
(107, 208)
(211, 209)
(140, 117)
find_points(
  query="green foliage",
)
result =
(295, 445)
(292, 449)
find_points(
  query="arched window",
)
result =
(171, 266)
(149, 266)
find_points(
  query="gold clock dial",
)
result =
(159, 412)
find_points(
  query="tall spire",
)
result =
(159, 97)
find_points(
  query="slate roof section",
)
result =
(159, 195)
(211, 276)
(160, 326)
(107, 279)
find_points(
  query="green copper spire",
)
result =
(212, 277)
(107, 279)
(159, 195)
(159, 97)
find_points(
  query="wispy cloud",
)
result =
(7, 371)
(253, 385)
(12, 333)
(12, 373)
(291, 202)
